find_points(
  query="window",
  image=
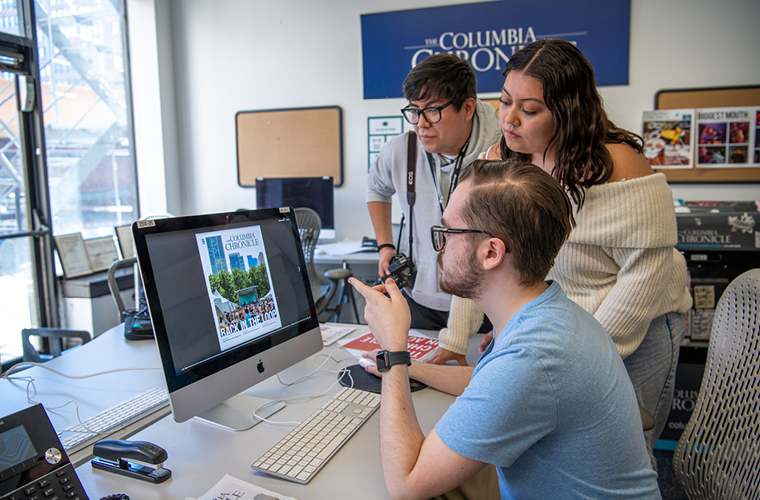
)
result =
(86, 113)
(81, 176)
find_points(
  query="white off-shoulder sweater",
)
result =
(619, 263)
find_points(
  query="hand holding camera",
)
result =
(386, 252)
(402, 271)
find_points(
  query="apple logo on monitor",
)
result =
(260, 366)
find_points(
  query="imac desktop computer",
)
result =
(311, 192)
(230, 304)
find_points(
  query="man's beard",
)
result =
(462, 280)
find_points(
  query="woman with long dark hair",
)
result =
(620, 262)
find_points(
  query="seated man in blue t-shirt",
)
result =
(549, 403)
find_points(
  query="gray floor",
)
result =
(669, 487)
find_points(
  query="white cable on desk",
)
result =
(306, 377)
(30, 384)
(15, 368)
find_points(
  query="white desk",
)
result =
(369, 258)
(199, 453)
(93, 395)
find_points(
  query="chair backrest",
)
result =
(718, 455)
(113, 285)
(309, 226)
(56, 336)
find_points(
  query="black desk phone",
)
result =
(33, 464)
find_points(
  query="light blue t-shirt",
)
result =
(551, 405)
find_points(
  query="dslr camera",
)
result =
(402, 271)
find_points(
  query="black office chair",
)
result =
(58, 342)
(309, 226)
(137, 325)
(113, 285)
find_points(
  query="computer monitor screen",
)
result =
(311, 192)
(230, 304)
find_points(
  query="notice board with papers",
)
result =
(715, 97)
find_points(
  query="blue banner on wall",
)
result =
(488, 33)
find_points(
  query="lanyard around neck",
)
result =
(454, 174)
(411, 178)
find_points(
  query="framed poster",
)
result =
(728, 137)
(381, 129)
(669, 138)
(126, 245)
(102, 252)
(73, 255)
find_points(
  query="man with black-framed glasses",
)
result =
(550, 403)
(452, 128)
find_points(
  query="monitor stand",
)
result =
(236, 414)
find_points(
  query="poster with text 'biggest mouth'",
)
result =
(239, 284)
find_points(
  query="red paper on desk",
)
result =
(418, 347)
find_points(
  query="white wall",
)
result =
(152, 82)
(688, 43)
(233, 55)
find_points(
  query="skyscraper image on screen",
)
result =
(243, 300)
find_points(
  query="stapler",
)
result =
(136, 459)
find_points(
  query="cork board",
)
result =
(494, 103)
(709, 98)
(299, 142)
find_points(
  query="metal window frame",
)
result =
(19, 55)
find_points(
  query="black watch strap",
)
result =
(386, 359)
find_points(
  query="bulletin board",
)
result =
(299, 142)
(709, 98)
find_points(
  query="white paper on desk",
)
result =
(230, 488)
(342, 248)
(332, 333)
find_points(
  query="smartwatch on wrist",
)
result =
(386, 359)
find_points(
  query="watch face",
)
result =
(385, 359)
(382, 361)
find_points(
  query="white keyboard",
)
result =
(78, 436)
(302, 453)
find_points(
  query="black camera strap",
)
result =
(411, 179)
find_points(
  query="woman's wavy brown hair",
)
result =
(581, 125)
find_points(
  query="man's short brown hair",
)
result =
(523, 206)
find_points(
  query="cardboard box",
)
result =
(718, 225)
(691, 367)
(710, 272)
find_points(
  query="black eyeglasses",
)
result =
(438, 235)
(432, 113)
